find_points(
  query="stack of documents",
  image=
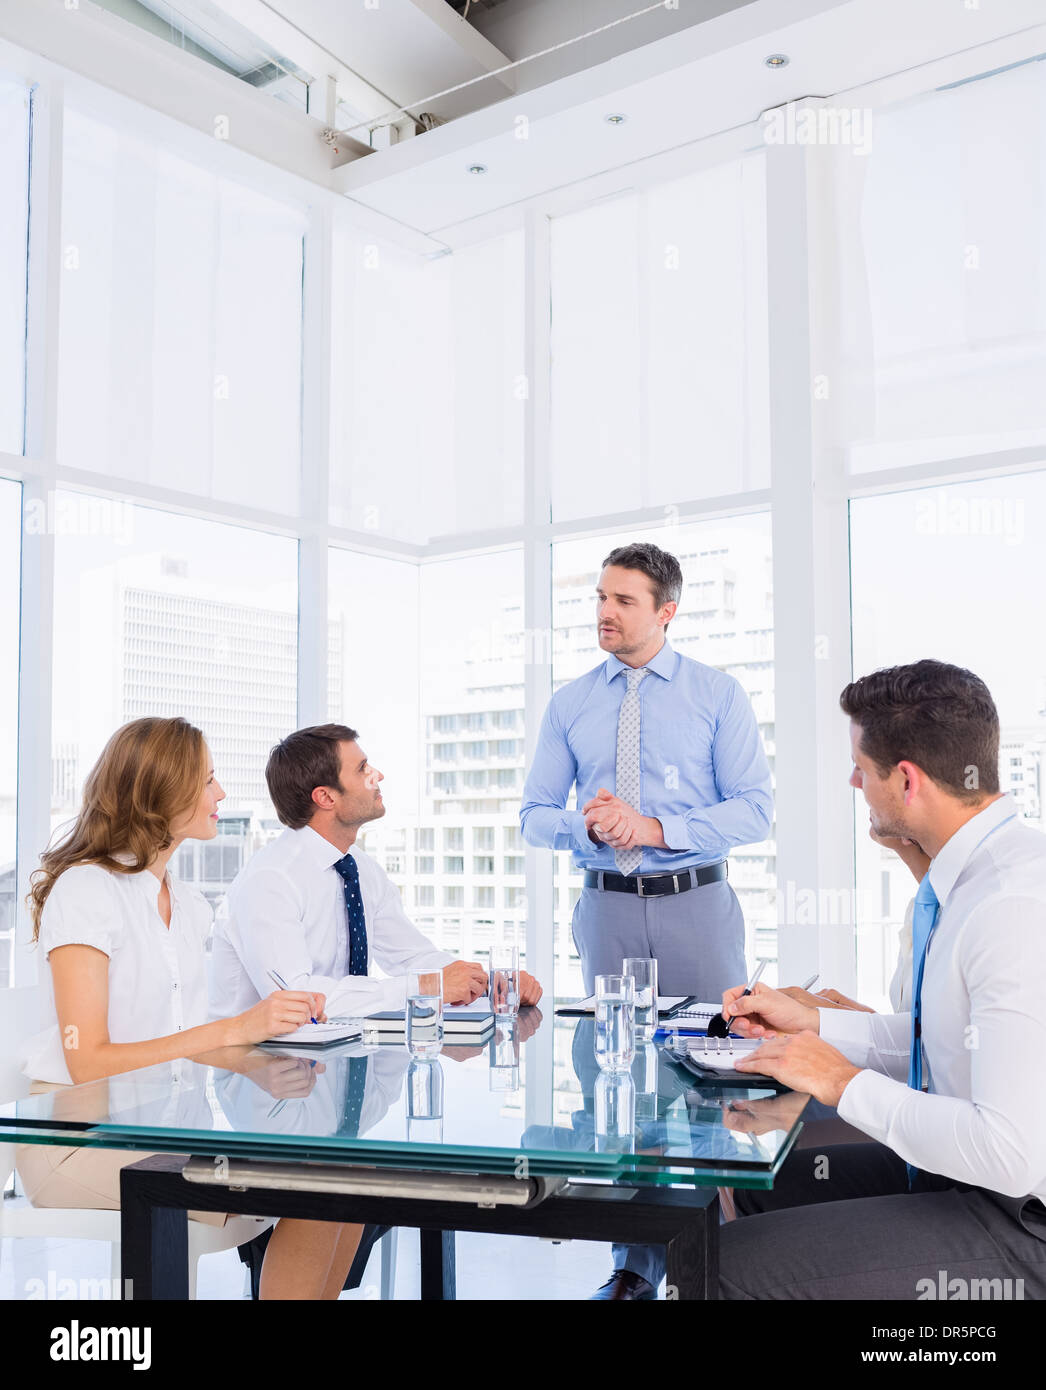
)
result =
(463, 1022)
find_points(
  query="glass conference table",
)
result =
(518, 1135)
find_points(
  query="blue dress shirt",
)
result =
(704, 772)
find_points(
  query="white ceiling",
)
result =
(705, 79)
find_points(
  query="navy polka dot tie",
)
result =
(350, 881)
(355, 1086)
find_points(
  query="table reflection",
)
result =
(534, 1085)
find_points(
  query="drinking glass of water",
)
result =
(644, 973)
(615, 1022)
(504, 981)
(425, 1014)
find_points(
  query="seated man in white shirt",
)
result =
(313, 906)
(951, 1202)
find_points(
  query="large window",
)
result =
(180, 341)
(659, 345)
(605, 357)
(725, 620)
(940, 235)
(10, 549)
(14, 197)
(158, 614)
(955, 573)
(429, 388)
(434, 659)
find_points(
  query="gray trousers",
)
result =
(698, 941)
(697, 938)
(842, 1224)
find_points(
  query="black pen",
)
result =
(722, 1030)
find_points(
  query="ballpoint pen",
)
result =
(281, 984)
(811, 981)
(719, 1026)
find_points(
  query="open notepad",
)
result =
(318, 1035)
(720, 1054)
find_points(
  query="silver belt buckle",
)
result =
(675, 883)
(639, 885)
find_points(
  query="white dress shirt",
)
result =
(157, 974)
(286, 913)
(981, 1120)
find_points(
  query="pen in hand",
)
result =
(719, 1027)
(281, 984)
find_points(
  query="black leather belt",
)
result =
(656, 885)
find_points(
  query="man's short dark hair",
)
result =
(661, 569)
(300, 763)
(940, 717)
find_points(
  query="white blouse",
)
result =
(157, 974)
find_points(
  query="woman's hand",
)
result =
(282, 1012)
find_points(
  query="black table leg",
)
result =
(692, 1258)
(438, 1268)
(154, 1247)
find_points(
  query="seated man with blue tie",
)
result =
(313, 906)
(951, 1200)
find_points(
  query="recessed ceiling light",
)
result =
(776, 60)
(615, 118)
(477, 168)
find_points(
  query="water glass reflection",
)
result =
(425, 1102)
(614, 1099)
(424, 1019)
(644, 1074)
(504, 1056)
(643, 971)
(615, 1022)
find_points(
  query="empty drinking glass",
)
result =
(504, 981)
(615, 1022)
(644, 972)
(424, 1018)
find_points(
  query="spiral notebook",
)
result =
(720, 1054)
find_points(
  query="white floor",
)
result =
(500, 1267)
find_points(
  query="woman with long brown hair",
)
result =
(125, 942)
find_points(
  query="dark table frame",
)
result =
(155, 1199)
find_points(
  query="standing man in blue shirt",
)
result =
(670, 774)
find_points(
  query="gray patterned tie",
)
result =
(627, 784)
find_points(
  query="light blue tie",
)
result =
(924, 919)
(628, 775)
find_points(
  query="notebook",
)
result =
(668, 1006)
(459, 1020)
(318, 1035)
(720, 1054)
